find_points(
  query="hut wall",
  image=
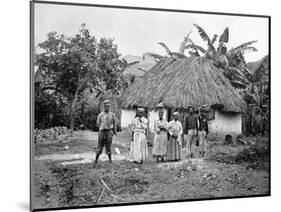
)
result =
(127, 117)
(226, 123)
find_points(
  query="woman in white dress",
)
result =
(160, 139)
(174, 143)
(139, 151)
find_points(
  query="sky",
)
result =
(138, 31)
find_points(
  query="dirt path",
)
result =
(87, 157)
(81, 150)
(71, 157)
(78, 152)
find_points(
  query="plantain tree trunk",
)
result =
(81, 84)
(73, 110)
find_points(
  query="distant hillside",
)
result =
(132, 58)
(253, 66)
(140, 68)
(260, 69)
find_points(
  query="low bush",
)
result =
(254, 154)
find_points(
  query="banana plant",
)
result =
(258, 108)
(231, 61)
(170, 54)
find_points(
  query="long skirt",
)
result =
(174, 149)
(160, 144)
(139, 151)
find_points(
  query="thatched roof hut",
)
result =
(180, 83)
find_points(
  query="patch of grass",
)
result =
(76, 185)
(254, 155)
(226, 173)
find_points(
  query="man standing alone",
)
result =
(106, 123)
(190, 130)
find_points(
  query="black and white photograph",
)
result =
(135, 105)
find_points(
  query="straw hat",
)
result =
(176, 114)
(141, 109)
(106, 101)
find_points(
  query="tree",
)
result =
(232, 61)
(257, 98)
(257, 116)
(74, 63)
(169, 53)
(49, 108)
(253, 87)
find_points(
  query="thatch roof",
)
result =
(180, 83)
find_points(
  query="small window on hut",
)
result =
(211, 114)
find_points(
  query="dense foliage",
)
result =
(257, 97)
(69, 66)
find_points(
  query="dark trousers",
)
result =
(104, 139)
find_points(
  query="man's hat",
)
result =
(176, 114)
(140, 109)
(160, 105)
(106, 101)
(190, 107)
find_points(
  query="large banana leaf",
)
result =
(224, 36)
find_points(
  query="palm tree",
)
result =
(257, 116)
(257, 99)
(232, 61)
(254, 86)
(169, 53)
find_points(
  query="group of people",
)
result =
(168, 139)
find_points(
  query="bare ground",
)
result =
(60, 185)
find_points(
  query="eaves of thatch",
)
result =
(180, 83)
